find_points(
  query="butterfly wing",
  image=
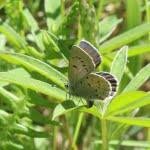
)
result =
(80, 65)
(111, 79)
(93, 86)
(92, 51)
(97, 86)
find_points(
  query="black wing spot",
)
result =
(89, 84)
(81, 82)
(73, 57)
(79, 58)
(86, 70)
(84, 65)
(75, 66)
(82, 61)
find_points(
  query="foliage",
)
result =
(34, 54)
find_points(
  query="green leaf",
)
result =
(12, 35)
(2, 83)
(133, 14)
(125, 100)
(133, 51)
(69, 105)
(139, 79)
(11, 99)
(36, 116)
(107, 27)
(34, 29)
(5, 118)
(125, 38)
(129, 143)
(33, 84)
(136, 50)
(138, 121)
(20, 71)
(38, 100)
(119, 63)
(21, 129)
(137, 104)
(11, 145)
(52, 9)
(36, 65)
(52, 50)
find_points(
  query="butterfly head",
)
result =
(66, 85)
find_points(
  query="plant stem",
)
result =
(147, 3)
(99, 9)
(104, 134)
(55, 138)
(62, 8)
(77, 129)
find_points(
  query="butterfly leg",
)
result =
(68, 95)
(90, 103)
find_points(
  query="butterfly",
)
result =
(83, 82)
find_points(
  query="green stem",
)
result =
(77, 129)
(62, 9)
(104, 134)
(99, 9)
(55, 138)
(79, 29)
(148, 13)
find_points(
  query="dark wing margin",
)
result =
(92, 51)
(112, 80)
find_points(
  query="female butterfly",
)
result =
(83, 82)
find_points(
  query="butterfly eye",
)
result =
(66, 85)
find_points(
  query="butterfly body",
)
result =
(84, 58)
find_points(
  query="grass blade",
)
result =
(139, 79)
(125, 38)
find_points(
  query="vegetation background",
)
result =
(35, 41)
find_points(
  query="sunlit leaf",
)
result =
(33, 84)
(123, 101)
(12, 35)
(34, 29)
(125, 38)
(139, 121)
(36, 65)
(69, 105)
(119, 63)
(139, 79)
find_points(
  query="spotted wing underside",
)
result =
(93, 86)
(80, 65)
